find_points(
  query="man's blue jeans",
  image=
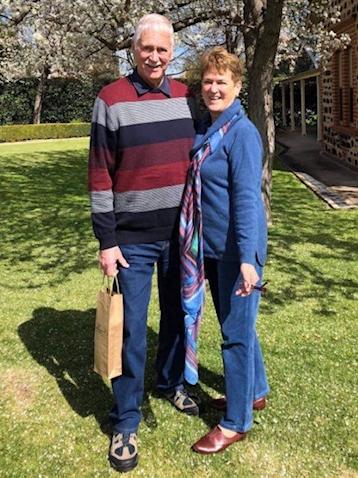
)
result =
(244, 369)
(135, 284)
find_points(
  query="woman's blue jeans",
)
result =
(135, 284)
(244, 369)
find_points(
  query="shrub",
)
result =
(16, 101)
(22, 132)
(64, 99)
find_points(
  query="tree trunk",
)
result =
(40, 90)
(260, 110)
(263, 20)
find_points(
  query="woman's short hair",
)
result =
(218, 58)
(155, 22)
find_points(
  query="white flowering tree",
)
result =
(46, 42)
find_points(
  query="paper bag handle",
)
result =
(110, 282)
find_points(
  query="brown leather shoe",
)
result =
(220, 403)
(215, 441)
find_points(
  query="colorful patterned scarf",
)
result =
(191, 252)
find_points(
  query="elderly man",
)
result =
(142, 132)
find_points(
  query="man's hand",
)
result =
(248, 279)
(108, 260)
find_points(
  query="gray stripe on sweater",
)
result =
(149, 200)
(102, 201)
(138, 112)
(103, 116)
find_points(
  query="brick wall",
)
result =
(340, 134)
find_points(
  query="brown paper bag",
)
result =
(108, 337)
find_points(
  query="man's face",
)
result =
(152, 54)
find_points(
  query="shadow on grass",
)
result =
(46, 230)
(45, 213)
(62, 342)
(322, 235)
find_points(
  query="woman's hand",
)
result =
(248, 279)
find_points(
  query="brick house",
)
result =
(340, 90)
(337, 92)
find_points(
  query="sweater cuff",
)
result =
(108, 241)
(248, 257)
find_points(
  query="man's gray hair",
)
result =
(155, 22)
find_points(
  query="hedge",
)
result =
(64, 100)
(23, 132)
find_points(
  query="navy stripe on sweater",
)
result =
(141, 134)
(103, 138)
(136, 228)
(159, 132)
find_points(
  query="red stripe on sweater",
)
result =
(101, 158)
(99, 180)
(148, 155)
(158, 176)
(123, 90)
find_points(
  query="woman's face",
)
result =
(219, 91)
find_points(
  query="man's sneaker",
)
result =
(123, 452)
(183, 401)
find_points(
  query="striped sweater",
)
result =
(139, 156)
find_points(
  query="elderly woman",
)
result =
(223, 221)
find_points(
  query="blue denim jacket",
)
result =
(234, 219)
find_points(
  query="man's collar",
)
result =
(142, 87)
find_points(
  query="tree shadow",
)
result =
(62, 342)
(299, 218)
(46, 215)
(52, 236)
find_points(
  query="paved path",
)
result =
(330, 179)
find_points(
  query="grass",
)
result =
(53, 408)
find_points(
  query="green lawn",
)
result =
(53, 409)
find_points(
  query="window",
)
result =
(351, 92)
(340, 85)
(345, 75)
(344, 104)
